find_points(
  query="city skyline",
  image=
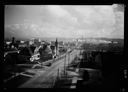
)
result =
(64, 21)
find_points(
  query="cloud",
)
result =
(82, 17)
(68, 21)
(96, 17)
(58, 11)
(59, 16)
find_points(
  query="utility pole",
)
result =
(56, 46)
(68, 58)
(58, 74)
(64, 64)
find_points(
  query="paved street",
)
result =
(45, 79)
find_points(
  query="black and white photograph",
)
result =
(63, 46)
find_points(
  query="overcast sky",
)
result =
(69, 21)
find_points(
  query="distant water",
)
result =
(65, 39)
(59, 39)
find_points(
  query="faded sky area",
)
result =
(68, 21)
